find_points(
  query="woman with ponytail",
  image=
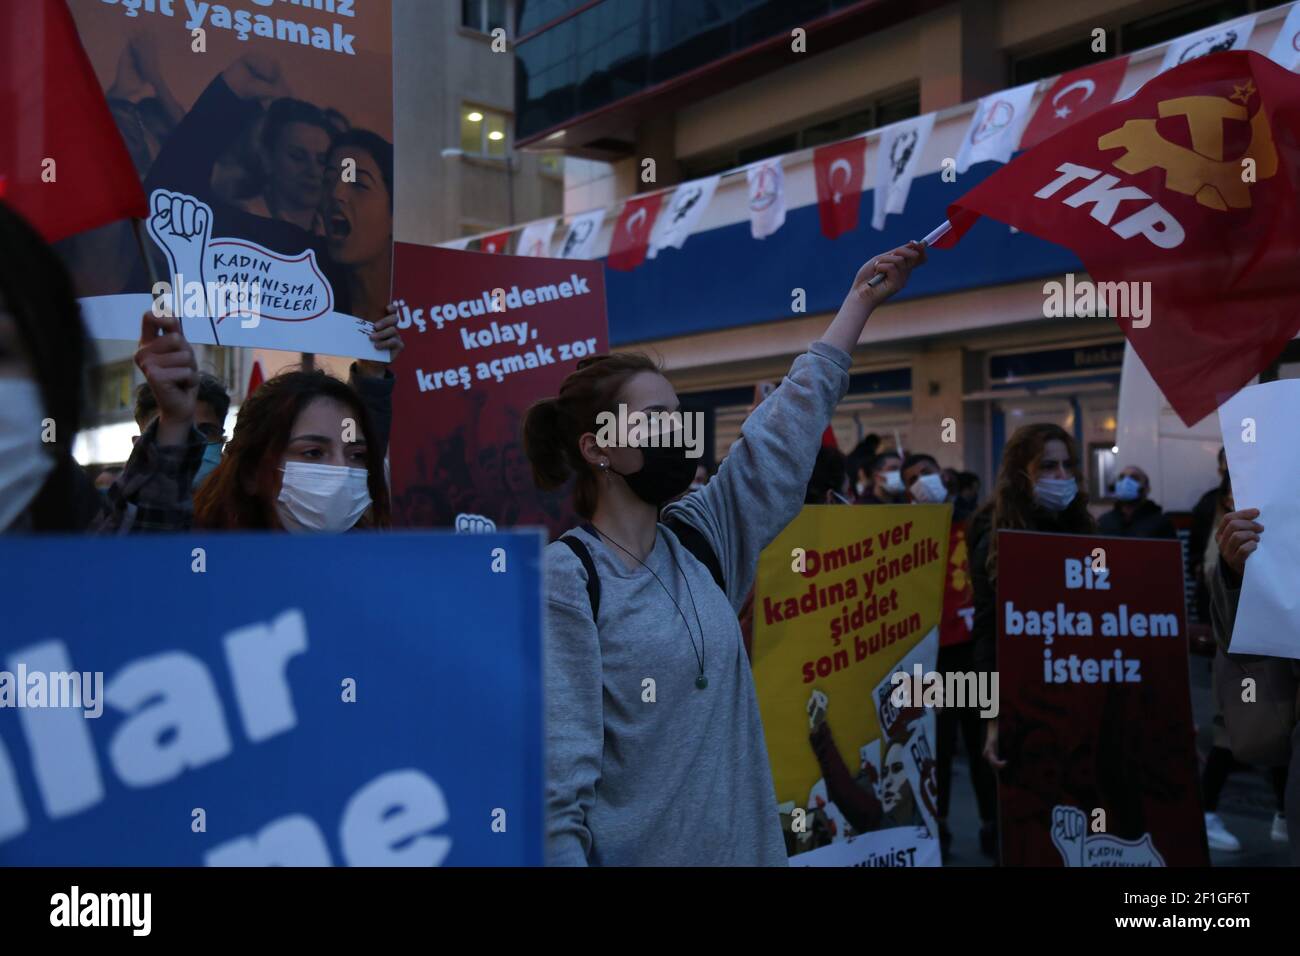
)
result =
(655, 748)
(1039, 488)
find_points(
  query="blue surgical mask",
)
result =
(1128, 488)
(211, 458)
(1055, 494)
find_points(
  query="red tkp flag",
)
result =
(1182, 202)
(1073, 96)
(627, 248)
(63, 164)
(828, 438)
(495, 244)
(255, 379)
(838, 169)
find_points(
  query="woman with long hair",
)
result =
(1039, 488)
(303, 458)
(655, 747)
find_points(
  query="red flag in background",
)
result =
(838, 169)
(1155, 192)
(631, 238)
(255, 379)
(63, 164)
(495, 244)
(1073, 96)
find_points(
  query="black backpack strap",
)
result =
(593, 579)
(695, 542)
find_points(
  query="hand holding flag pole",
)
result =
(935, 235)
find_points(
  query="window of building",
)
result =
(483, 15)
(881, 112)
(535, 14)
(116, 398)
(1122, 38)
(482, 131)
(552, 163)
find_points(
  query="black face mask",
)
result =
(665, 472)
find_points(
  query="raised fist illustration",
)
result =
(1069, 828)
(182, 226)
(474, 524)
(817, 705)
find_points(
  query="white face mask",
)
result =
(929, 490)
(24, 461)
(328, 498)
(893, 482)
(860, 488)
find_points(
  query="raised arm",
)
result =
(761, 484)
(153, 492)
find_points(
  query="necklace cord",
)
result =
(699, 655)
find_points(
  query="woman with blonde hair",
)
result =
(655, 749)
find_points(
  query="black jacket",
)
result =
(1148, 521)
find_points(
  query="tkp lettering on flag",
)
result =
(225, 278)
(1189, 186)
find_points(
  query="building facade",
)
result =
(707, 88)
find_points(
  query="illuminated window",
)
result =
(483, 131)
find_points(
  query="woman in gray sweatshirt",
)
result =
(655, 751)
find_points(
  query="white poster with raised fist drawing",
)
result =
(263, 137)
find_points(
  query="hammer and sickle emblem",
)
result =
(1200, 171)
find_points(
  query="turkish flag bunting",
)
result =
(1185, 195)
(63, 164)
(1073, 96)
(495, 244)
(627, 248)
(839, 172)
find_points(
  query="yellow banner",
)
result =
(843, 595)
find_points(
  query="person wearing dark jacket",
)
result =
(1203, 517)
(44, 355)
(1266, 728)
(1038, 489)
(1135, 515)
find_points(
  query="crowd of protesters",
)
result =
(664, 552)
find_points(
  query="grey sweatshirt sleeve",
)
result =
(574, 708)
(761, 484)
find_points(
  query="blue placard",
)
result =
(225, 700)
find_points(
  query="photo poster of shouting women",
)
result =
(846, 598)
(486, 336)
(263, 135)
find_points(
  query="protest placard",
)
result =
(270, 706)
(1096, 714)
(846, 599)
(263, 136)
(486, 337)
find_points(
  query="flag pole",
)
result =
(938, 233)
(137, 226)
